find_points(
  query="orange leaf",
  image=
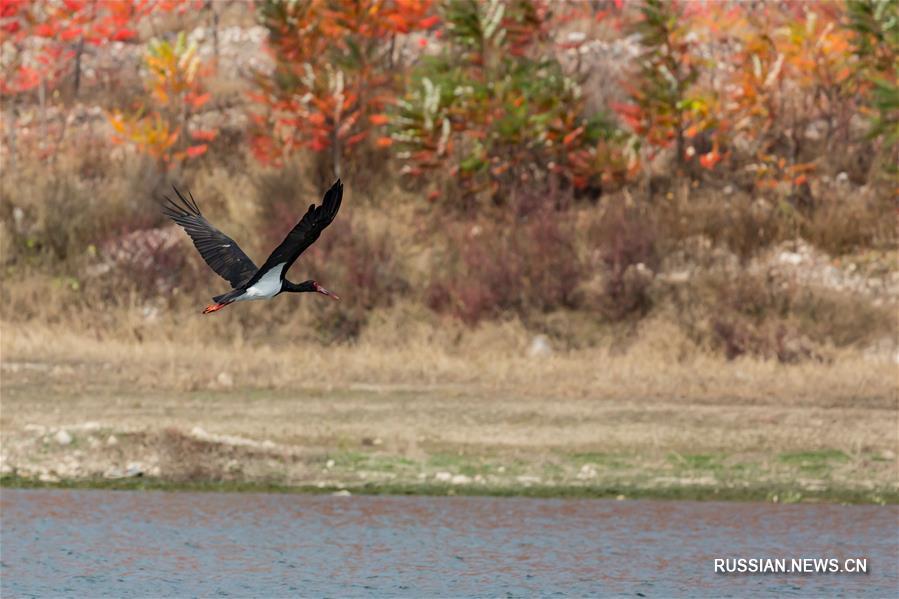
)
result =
(122, 35)
(69, 33)
(710, 159)
(204, 134)
(429, 22)
(354, 139)
(572, 136)
(197, 101)
(195, 151)
(378, 119)
(384, 142)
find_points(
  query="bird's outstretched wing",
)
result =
(218, 250)
(306, 231)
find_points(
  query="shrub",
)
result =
(510, 264)
(625, 239)
(336, 69)
(496, 109)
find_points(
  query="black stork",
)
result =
(230, 262)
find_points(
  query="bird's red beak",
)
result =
(324, 291)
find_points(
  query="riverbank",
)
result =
(488, 421)
(781, 494)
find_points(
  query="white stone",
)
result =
(443, 477)
(540, 347)
(460, 479)
(63, 437)
(112, 440)
(587, 472)
(341, 493)
(790, 258)
(225, 380)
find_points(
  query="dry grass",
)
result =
(397, 348)
(408, 400)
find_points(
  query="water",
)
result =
(114, 543)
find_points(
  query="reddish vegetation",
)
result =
(540, 156)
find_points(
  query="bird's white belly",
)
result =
(266, 287)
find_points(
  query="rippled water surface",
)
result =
(111, 543)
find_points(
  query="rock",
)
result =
(329, 464)
(341, 493)
(587, 472)
(46, 477)
(443, 477)
(792, 258)
(63, 437)
(540, 347)
(114, 473)
(460, 479)
(111, 440)
(134, 470)
(527, 480)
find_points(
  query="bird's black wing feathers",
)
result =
(306, 231)
(218, 250)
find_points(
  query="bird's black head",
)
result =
(308, 286)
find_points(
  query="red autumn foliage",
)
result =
(334, 73)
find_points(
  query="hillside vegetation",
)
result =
(578, 168)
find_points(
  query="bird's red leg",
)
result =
(214, 308)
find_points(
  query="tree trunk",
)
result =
(79, 50)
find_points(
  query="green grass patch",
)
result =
(698, 461)
(815, 462)
(470, 465)
(357, 460)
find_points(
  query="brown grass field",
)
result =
(425, 415)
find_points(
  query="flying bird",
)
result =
(230, 262)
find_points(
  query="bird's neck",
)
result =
(304, 287)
